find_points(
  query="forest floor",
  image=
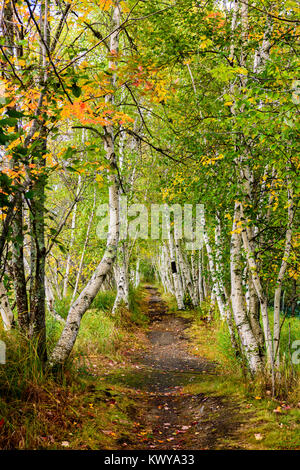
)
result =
(180, 401)
(169, 417)
(164, 386)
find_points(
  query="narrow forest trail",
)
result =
(167, 417)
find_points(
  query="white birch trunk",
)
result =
(195, 277)
(216, 285)
(165, 270)
(84, 248)
(69, 334)
(259, 290)
(253, 310)
(280, 277)
(185, 269)
(73, 227)
(50, 301)
(49, 295)
(200, 278)
(122, 280)
(137, 274)
(175, 274)
(250, 346)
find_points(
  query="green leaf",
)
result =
(69, 153)
(13, 113)
(76, 90)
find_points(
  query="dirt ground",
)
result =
(168, 418)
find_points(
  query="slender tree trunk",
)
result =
(216, 285)
(254, 315)
(49, 295)
(69, 334)
(200, 276)
(166, 277)
(195, 276)
(249, 343)
(280, 277)
(137, 274)
(73, 227)
(84, 248)
(19, 269)
(259, 290)
(185, 269)
(175, 274)
(38, 258)
(122, 279)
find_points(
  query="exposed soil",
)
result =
(166, 417)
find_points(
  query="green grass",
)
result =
(276, 421)
(99, 334)
(136, 302)
(86, 409)
(147, 271)
(22, 364)
(290, 332)
(79, 407)
(104, 301)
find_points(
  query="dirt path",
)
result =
(167, 418)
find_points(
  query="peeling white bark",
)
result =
(175, 274)
(87, 236)
(122, 279)
(200, 278)
(282, 270)
(259, 289)
(185, 269)
(73, 227)
(216, 284)
(249, 343)
(137, 274)
(69, 334)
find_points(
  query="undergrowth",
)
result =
(78, 409)
(270, 423)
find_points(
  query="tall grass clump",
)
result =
(136, 303)
(22, 367)
(224, 346)
(104, 300)
(98, 334)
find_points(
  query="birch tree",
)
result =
(69, 334)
